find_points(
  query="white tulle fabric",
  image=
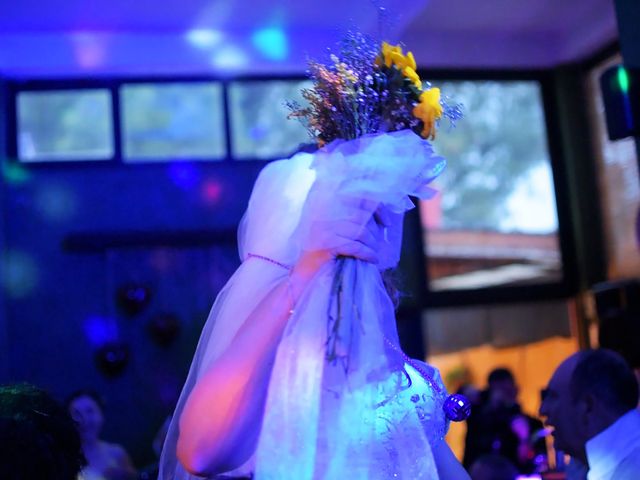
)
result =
(368, 413)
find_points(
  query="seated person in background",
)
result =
(493, 467)
(105, 461)
(498, 426)
(591, 403)
(38, 439)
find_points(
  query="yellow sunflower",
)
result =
(429, 110)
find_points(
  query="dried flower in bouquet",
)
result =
(366, 89)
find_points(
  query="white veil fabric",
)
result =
(343, 401)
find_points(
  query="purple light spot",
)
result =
(18, 274)
(211, 192)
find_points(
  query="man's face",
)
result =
(504, 392)
(561, 413)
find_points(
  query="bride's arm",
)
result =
(220, 424)
(221, 421)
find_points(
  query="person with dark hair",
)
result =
(498, 426)
(38, 439)
(105, 461)
(591, 403)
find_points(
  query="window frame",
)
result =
(128, 160)
(113, 85)
(247, 80)
(13, 128)
(565, 288)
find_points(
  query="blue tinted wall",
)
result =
(121, 257)
(4, 360)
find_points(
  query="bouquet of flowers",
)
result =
(368, 89)
(372, 91)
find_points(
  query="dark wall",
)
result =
(570, 122)
(71, 249)
(4, 359)
(628, 15)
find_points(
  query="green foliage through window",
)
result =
(259, 118)
(172, 121)
(497, 151)
(65, 125)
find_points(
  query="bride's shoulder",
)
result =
(428, 375)
(285, 176)
(428, 395)
(300, 161)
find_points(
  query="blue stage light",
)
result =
(271, 43)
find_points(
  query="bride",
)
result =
(298, 373)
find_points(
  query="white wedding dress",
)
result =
(343, 402)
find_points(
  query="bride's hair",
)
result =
(392, 284)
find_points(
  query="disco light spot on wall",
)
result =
(100, 330)
(89, 50)
(229, 57)
(211, 192)
(14, 173)
(56, 203)
(204, 38)
(271, 43)
(19, 274)
(184, 175)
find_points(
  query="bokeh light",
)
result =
(271, 43)
(211, 191)
(204, 38)
(184, 175)
(13, 173)
(89, 49)
(229, 57)
(19, 274)
(56, 203)
(100, 330)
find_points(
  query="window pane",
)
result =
(172, 121)
(259, 124)
(65, 125)
(494, 222)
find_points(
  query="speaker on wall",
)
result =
(620, 88)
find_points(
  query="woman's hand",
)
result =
(358, 234)
(346, 226)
